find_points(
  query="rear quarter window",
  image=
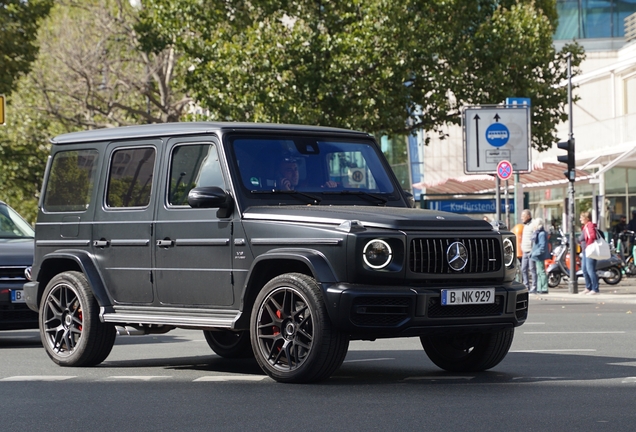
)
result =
(71, 181)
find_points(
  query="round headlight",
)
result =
(377, 254)
(509, 252)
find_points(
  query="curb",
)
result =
(617, 297)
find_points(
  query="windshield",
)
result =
(310, 165)
(12, 225)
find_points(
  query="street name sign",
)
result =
(493, 134)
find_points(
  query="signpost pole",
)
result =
(507, 205)
(573, 284)
(497, 198)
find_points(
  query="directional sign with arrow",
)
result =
(493, 134)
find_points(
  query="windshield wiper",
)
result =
(315, 199)
(379, 199)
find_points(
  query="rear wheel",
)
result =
(554, 279)
(292, 337)
(615, 277)
(468, 353)
(229, 344)
(70, 329)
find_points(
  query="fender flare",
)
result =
(87, 265)
(316, 262)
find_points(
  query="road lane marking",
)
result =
(629, 380)
(38, 378)
(367, 360)
(225, 378)
(538, 378)
(554, 350)
(137, 377)
(633, 363)
(435, 378)
(578, 332)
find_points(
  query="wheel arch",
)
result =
(81, 261)
(267, 266)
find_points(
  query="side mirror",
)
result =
(211, 197)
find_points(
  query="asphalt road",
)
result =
(572, 366)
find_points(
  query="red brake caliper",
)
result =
(275, 329)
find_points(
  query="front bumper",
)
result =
(15, 316)
(389, 311)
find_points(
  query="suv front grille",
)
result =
(428, 255)
(12, 273)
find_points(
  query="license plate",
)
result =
(468, 296)
(17, 296)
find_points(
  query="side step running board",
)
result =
(214, 320)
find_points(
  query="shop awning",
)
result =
(543, 175)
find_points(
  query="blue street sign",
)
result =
(497, 134)
(512, 101)
(468, 206)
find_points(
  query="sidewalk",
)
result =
(623, 292)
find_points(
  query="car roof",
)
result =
(190, 128)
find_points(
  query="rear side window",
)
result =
(71, 180)
(130, 177)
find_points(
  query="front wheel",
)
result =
(229, 344)
(292, 337)
(70, 329)
(615, 277)
(554, 279)
(470, 352)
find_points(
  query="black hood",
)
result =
(16, 252)
(378, 217)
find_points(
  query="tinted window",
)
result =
(193, 166)
(70, 182)
(130, 177)
(310, 165)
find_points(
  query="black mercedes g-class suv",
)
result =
(278, 241)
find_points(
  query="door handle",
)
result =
(165, 243)
(100, 243)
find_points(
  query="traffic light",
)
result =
(569, 158)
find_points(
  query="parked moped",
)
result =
(625, 248)
(558, 267)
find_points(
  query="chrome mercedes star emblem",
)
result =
(457, 256)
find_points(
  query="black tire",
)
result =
(617, 275)
(70, 329)
(554, 279)
(468, 353)
(292, 337)
(229, 344)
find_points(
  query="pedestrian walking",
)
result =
(528, 268)
(588, 265)
(540, 252)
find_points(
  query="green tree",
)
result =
(381, 66)
(19, 21)
(91, 72)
